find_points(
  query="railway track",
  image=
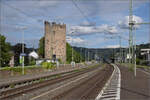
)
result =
(6, 94)
(88, 89)
(111, 90)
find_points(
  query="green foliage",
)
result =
(59, 60)
(18, 68)
(41, 47)
(32, 62)
(131, 68)
(5, 54)
(41, 80)
(12, 86)
(14, 69)
(137, 61)
(76, 56)
(48, 65)
(69, 53)
(17, 49)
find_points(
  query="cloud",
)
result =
(112, 46)
(75, 41)
(124, 24)
(88, 30)
(32, 13)
(86, 23)
(108, 10)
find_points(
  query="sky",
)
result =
(90, 23)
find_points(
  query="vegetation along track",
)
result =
(32, 86)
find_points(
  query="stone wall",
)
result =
(55, 41)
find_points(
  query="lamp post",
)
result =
(72, 54)
(23, 53)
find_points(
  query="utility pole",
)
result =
(23, 52)
(130, 33)
(131, 24)
(88, 55)
(72, 54)
(96, 55)
(120, 49)
(80, 54)
(43, 47)
(0, 54)
(135, 53)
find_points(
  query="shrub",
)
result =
(48, 65)
(59, 60)
(33, 62)
(137, 60)
(12, 86)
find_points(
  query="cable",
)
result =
(75, 4)
(20, 11)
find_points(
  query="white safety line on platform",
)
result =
(111, 90)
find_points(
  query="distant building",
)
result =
(55, 41)
(146, 54)
(34, 55)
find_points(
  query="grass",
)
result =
(18, 69)
(131, 66)
(12, 86)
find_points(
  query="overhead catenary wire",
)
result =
(82, 13)
(20, 11)
(23, 13)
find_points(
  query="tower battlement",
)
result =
(54, 24)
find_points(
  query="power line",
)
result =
(24, 13)
(75, 4)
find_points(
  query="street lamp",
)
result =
(23, 53)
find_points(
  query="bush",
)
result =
(48, 65)
(59, 60)
(33, 62)
(137, 60)
(143, 62)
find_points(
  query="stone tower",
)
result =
(55, 41)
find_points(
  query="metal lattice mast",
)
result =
(120, 49)
(130, 33)
(132, 50)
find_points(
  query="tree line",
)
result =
(7, 51)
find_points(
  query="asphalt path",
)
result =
(134, 88)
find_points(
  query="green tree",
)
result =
(5, 54)
(41, 47)
(68, 52)
(17, 49)
(76, 56)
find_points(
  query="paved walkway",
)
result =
(134, 88)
